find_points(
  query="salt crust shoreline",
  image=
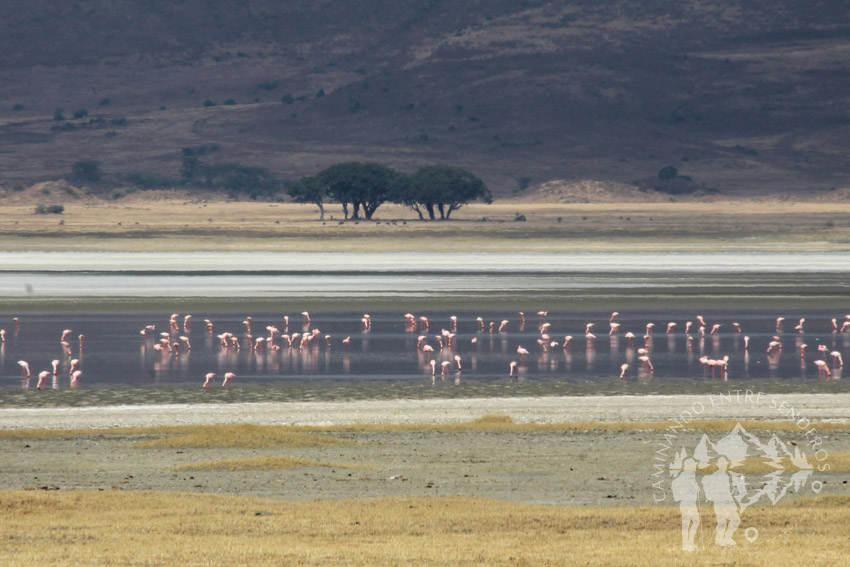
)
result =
(724, 404)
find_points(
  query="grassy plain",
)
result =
(143, 528)
(197, 224)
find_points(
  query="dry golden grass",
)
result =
(159, 529)
(838, 463)
(241, 435)
(216, 226)
(262, 464)
(257, 436)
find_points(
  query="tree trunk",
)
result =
(355, 215)
(321, 211)
(345, 209)
(451, 208)
(418, 211)
(430, 209)
(442, 211)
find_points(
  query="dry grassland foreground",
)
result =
(195, 223)
(486, 492)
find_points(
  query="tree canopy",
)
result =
(444, 188)
(363, 187)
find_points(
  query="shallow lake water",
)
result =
(120, 365)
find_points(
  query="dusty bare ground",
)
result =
(563, 466)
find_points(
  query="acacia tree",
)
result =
(443, 189)
(310, 190)
(362, 185)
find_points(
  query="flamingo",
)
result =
(715, 328)
(513, 369)
(799, 327)
(306, 316)
(737, 327)
(623, 369)
(345, 342)
(65, 334)
(688, 326)
(670, 328)
(55, 364)
(228, 379)
(474, 342)
(444, 368)
(613, 317)
(25, 368)
(522, 352)
(187, 323)
(503, 325)
(837, 361)
(457, 361)
(615, 328)
(42, 378)
(823, 369)
(209, 377)
(2, 335)
(433, 364)
(567, 340)
(75, 377)
(779, 324)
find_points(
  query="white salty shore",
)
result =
(730, 404)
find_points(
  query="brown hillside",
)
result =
(743, 97)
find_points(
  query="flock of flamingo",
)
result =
(443, 345)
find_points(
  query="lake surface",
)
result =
(385, 361)
(119, 365)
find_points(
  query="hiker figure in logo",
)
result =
(718, 489)
(686, 491)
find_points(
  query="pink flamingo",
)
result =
(521, 352)
(623, 369)
(228, 379)
(428, 349)
(209, 377)
(187, 323)
(737, 327)
(613, 317)
(799, 327)
(444, 368)
(433, 364)
(615, 328)
(345, 342)
(457, 361)
(837, 361)
(81, 339)
(42, 378)
(75, 377)
(649, 327)
(25, 368)
(65, 334)
(688, 326)
(823, 369)
(55, 364)
(503, 325)
(567, 340)
(474, 342)
(306, 316)
(715, 328)
(779, 324)
(671, 327)
(513, 369)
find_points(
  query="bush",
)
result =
(229, 102)
(267, 86)
(321, 93)
(668, 172)
(50, 209)
(58, 116)
(81, 113)
(18, 107)
(104, 102)
(287, 99)
(209, 102)
(86, 170)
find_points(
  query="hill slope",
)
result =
(742, 96)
